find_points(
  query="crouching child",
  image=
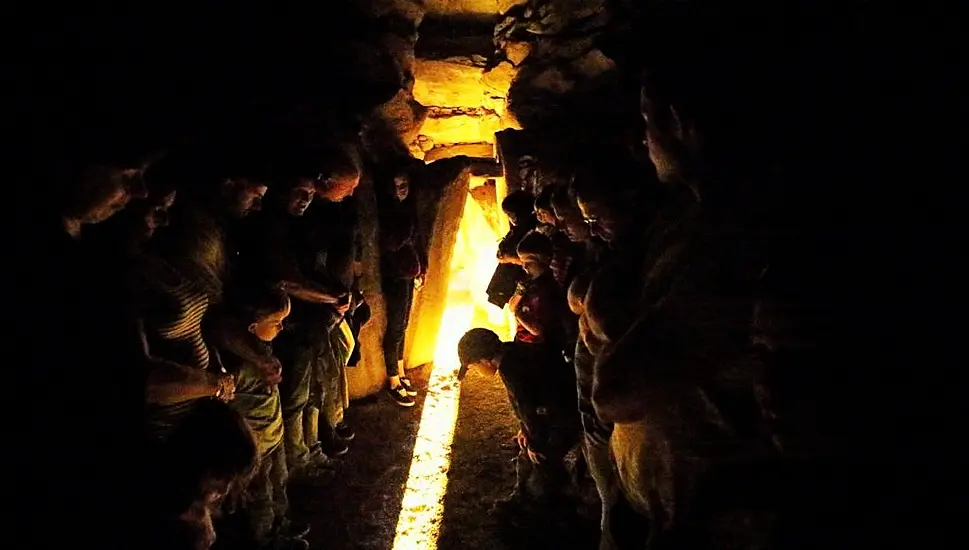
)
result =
(541, 388)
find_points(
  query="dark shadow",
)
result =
(483, 472)
(481, 468)
(442, 37)
(359, 507)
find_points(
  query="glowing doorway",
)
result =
(472, 263)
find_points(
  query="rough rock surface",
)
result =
(451, 7)
(459, 78)
(360, 507)
(565, 79)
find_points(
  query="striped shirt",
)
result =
(172, 308)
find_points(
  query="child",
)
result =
(544, 214)
(543, 395)
(519, 208)
(539, 303)
(245, 344)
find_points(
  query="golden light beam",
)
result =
(422, 507)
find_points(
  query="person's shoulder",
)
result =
(546, 286)
(514, 356)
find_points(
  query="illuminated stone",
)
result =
(456, 82)
(473, 150)
(516, 52)
(466, 7)
(461, 128)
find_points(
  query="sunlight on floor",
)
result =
(472, 264)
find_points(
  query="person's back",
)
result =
(84, 368)
(541, 387)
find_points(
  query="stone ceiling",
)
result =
(478, 7)
(464, 92)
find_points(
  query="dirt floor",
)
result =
(359, 508)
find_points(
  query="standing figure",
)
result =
(402, 268)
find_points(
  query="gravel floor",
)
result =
(359, 508)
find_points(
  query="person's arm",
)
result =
(394, 235)
(562, 261)
(535, 313)
(699, 327)
(525, 405)
(223, 338)
(167, 382)
(420, 245)
(215, 360)
(170, 382)
(298, 285)
(309, 291)
(529, 322)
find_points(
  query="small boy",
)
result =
(542, 392)
(245, 342)
(539, 303)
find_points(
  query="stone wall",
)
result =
(571, 91)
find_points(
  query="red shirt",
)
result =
(540, 304)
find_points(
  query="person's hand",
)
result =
(274, 378)
(343, 304)
(535, 458)
(284, 286)
(419, 282)
(226, 388)
(271, 371)
(337, 299)
(520, 440)
(514, 302)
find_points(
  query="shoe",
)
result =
(408, 387)
(344, 432)
(313, 473)
(399, 395)
(319, 458)
(334, 447)
(293, 529)
(317, 468)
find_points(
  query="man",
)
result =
(70, 313)
(329, 233)
(226, 188)
(279, 257)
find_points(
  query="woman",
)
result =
(169, 311)
(402, 268)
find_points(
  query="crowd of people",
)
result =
(738, 352)
(206, 307)
(700, 322)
